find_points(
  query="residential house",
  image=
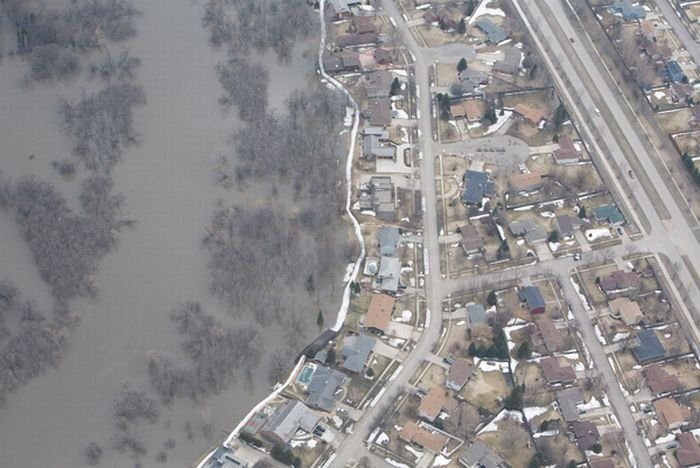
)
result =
(435, 402)
(480, 455)
(568, 400)
(567, 152)
(647, 30)
(532, 296)
(373, 148)
(383, 56)
(378, 83)
(510, 63)
(682, 92)
(620, 282)
(477, 187)
(476, 314)
(555, 374)
(529, 230)
(356, 40)
(340, 8)
(531, 115)
(688, 452)
(586, 434)
(458, 374)
(648, 347)
(287, 419)
(601, 463)
(471, 241)
(660, 381)
(389, 275)
(324, 388)
(378, 315)
(457, 110)
(341, 63)
(629, 11)
(675, 72)
(389, 239)
(380, 112)
(378, 196)
(224, 457)
(494, 33)
(608, 213)
(528, 182)
(362, 25)
(567, 226)
(473, 110)
(627, 310)
(549, 334)
(357, 350)
(671, 415)
(430, 440)
(476, 77)
(656, 51)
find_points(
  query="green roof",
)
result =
(608, 212)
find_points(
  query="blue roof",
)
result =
(477, 186)
(649, 348)
(495, 33)
(356, 351)
(629, 11)
(533, 297)
(322, 388)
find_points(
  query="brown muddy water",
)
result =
(168, 183)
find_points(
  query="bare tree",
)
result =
(93, 453)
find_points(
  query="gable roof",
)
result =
(323, 386)
(554, 372)
(480, 454)
(670, 413)
(688, 454)
(378, 83)
(568, 399)
(608, 212)
(389, 273)
(660, 381)
(356, 351)
(550, 335)
(460, 371)
(476, 314)
(586, 433)
(619, 280)
(532, 296)
(566, 152)
(495, 34)
(380, 112)
(389, 238)
(527, 228)
(529, 180)
(471, 240)
(430, 440)
(567, 225)
(379, 312)
(627, 309)
(533, 115)
(434, 402)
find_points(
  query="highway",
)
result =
(674, 238)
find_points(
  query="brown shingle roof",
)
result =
(379, 312)
(688, 454)
(567, 151)
(670, 413)
(660, 381)
(530, 114)
(460, 371)
(530, 180)
(434, 402)
(627, 309)
(555, 373)
(413, 433)
(550, 335)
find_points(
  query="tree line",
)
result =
(52, 39)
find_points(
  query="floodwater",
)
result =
(168, 184)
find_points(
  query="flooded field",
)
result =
(168, 183)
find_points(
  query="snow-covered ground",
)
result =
(502, 119)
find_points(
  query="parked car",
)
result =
(631, 174)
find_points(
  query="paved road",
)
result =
(679, 28)
(351, 448)
(673, 238)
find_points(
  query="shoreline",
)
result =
(345, 304)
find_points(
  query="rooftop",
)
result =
(477, 186)
(459, 373)
(568, 400)
(289, 417)
(660, 381)
(379, 313)
(555, 373)
(471, 240)
(627, 309)
(323, 387)
(533, 297)
(389, 273)
(533, 115)
(356, 352)
(389, 238)
(527, 181)
(649, 348)
(479, 454)
(688, 454)
(566, 152)
(495, 34)
(476, 314)
(670, 413)
(608, 212)
(550, 335)
(619, 281)
(430, 440)
(434, 402)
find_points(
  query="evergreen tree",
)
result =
(319, 319)
(462, 65)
